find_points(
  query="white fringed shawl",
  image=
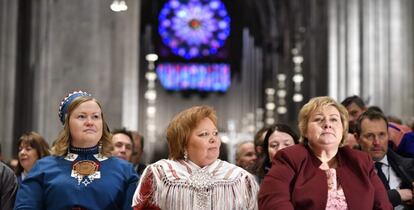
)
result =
(179, 185)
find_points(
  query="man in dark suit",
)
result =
(8, 186)
(396, 172)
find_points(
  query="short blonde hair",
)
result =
(61, 144)
(181, 126)
(316, 104)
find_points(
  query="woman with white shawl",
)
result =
(193, 177)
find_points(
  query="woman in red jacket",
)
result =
(319, 173)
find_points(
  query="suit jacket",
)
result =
(404, 168)
(296, 182)
(140, 167)
(8, 187)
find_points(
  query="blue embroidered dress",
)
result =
(54, 184)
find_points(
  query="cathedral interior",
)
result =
(255, 62)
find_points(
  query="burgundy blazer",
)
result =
(296, 182)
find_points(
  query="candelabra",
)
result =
(119, 6)
(297, 59)
(298, 76)
(270, 106)
(151, 96)
(281, 94)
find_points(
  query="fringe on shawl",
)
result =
(238, 194)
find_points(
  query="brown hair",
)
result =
(316, 104)
(126, 132)
(181, 126)
(370, 115)
(264, 162)
(61, 144)
(37, 142)
(137, 135)
(259, 137)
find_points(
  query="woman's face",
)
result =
(325, 128)
(204, 144)
(27, 156)
(277, 141)
(85, 124)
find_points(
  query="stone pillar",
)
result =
(370, 53)
(83, 45)
(8, 37)
(344, 48)
(130, 99)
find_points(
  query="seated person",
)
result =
(246, 155)
(123, 144)
(396, 172)
(321, 173)
(32, 146)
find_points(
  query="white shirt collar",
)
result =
(384, 160)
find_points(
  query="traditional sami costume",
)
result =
(84, 179)
(183, 185)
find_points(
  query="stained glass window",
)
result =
(194, 28)
(194, 76)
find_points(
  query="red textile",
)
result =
(146, 193)
(296, 182)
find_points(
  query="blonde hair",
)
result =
(316, 104)
(181, 126)
(61, 144)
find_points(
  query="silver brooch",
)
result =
(201, 181)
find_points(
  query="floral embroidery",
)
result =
(336, 196)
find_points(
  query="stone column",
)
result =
(371, 53)
(83, 45)
(8, 44)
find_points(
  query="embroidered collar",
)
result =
(72, 157)
(74, 153)
(180, 184)
(84, 170)
(180, 171)
(88, 150)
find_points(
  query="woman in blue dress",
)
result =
(80, 174)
